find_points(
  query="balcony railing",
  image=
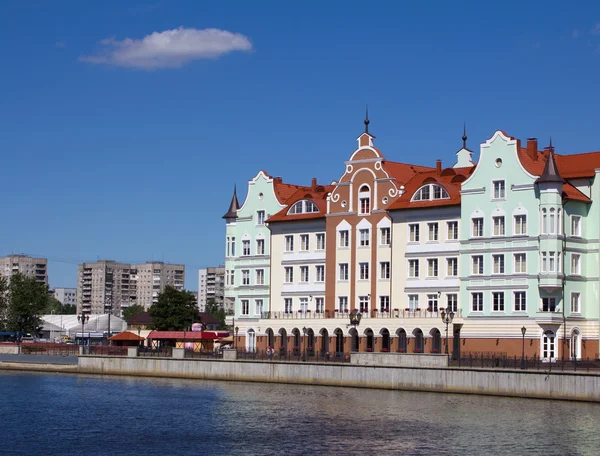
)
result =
(394, 313)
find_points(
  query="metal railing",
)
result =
(502, 361)
(294, 356)
(192, 354)
(51, 349)
(105, 350)
(393, 313)
(162, 352)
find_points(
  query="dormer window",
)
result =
(430, 192)
(303, 207)
(364, 200)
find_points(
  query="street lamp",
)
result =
(83, 319)
(304, 341)
(447, 317)
(523, 330)
(139, 335)
(355, 317)
(236, 336)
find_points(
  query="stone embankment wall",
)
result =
(515, 383)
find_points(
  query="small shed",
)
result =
(196, 340)
(126, 339)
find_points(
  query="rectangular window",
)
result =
(228, 247)
(498, 226)
(288, 305)
(384, 270)
(413, 302)
(498, 264)
(303, 304)
(433, 231)
(452, 302)
(260, 217)
(477, 227)
(260, 246)
(548, 304)
(320, 305)
(245, 307)
(232, 277)
(246, 277)
(365, 205)
(499, 189)
(520, 263)
(520, 224)
(384, 303)
(413, 268)
(551, 262)
(477, 302)
(233, 246)
(452, 267)
(385, 236)
(245, 248)
(575, 264)
(320, 241)
(498, 301)
(304, 242)
(364, 237)
(289, 274)
(413, 230)
(289, 243)
(258, 307)
(477, 264)
(432, 302)
(260, 277)
(343, 267)
(576, 225)
(343, 303)
(344, 238)
(452, 231)
(363, 304)
(575, 298)
(520, 298)
(320, 273)
(544, 262)
(432, 267)
(304, 274)
(363, 271)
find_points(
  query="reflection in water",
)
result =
(59, 414)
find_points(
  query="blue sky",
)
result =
(129, 149)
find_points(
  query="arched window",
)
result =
(430, 192)
(251, 340)
(364, 200)
(575, 344)
(303, 207)
(552, 226)
(544, 221)
(402, 341)
(419, 342)
(558, 224)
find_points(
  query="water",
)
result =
(67, 415)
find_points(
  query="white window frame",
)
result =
(498, 260)
(436, 232)
(246, 247)
(384, 270)
(364, 200)
(575, 302)
(502, 225)
(452, 263)
(245, 276)
(245, 303)
(258, 306)
(499, 189)
(363, 270)
(288, 305)
(519, 224)
(413, 233)
(436, 266)
(477, 227)
(260, 277)
(304, 243)
(304, 274)
(432, 302)
(289, 243)
(480, 262)
(385, 235)
(320, 273)
(577, 231)
(342, 303)
(364, 239)
(521, 303)
(413, 301)
(320, 241)
(452, 228)
(452, 302)
(260, 246)
(416, 262)
(344, 239)
(260, 217)
(496, 306)
(519, 267)
(289, 274)
(320, 305)
(476, 305)
(363, 304)
(343, 272)
(577, 269)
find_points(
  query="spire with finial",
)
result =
(464, 137)
(234, 206)
(550, 174)
(367, 121)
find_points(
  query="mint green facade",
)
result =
(526, 218)
(245, 260)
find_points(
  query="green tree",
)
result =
(3, 302)
(27, 301)
(132, 311)
(53, 306)
(69, 309)
(174, 311)
(215, 311)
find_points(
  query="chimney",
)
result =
(314, 184)
(532, 148)
(438, 167)
(277, 180)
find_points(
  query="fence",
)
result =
(294, 355)
(105, 350)
(162, 352)
(502, 361)
(393, 313)
(50, 349)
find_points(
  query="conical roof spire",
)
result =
(550, 174)
(233, 207)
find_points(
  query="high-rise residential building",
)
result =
(106, 284)
(36, 268)
(508, 244)
(65, 295)
(152, 277)
(211, 285)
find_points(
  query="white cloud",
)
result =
(169, 49)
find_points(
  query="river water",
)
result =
(44, 414)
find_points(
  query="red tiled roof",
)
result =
(403, 172)
(445, 180)
(317, 196)
(187, 335)
(569, 166)
(285, 191)
(126, 336)
(572, 193)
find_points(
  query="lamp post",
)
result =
(83, 319)
(523, 331)
(355, 317)
(304, 342)
(447, 317)
(236, 336)
(139, 335)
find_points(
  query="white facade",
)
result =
(66, 295)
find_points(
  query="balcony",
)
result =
(550, 282)
(549, 318)
(395, 313)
